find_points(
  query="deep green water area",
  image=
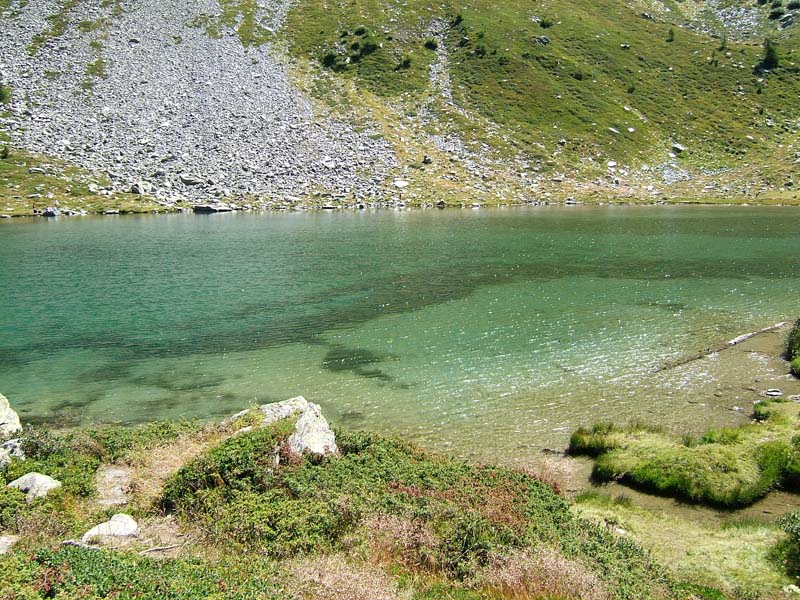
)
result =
(491, 333)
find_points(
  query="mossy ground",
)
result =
(383, 520)
(732, 555)
(726, 467)
(731, 467)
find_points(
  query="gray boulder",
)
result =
(8, 450)
(9, 420)
(281, 410)
(211, 208)
(6, 542)
(35, 485)
(142, 188)
(312, 434)
(187, 179)
(120, 525)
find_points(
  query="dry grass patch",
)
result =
(544, 573)
(151, 468)
(393, 539)
(336, 578)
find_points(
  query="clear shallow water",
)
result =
(492, 332)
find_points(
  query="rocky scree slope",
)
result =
(135, 89)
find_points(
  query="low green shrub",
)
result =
(795, 367)
(116, 443)
(239, 494)
(12, 504)
(787, 552)
(79, 573)
(53, 455)
(793, 341)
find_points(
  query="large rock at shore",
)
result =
(281, 410)
(312, 432)
(118, 526)
(35, 485)
(9, 420)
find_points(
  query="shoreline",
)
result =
(373, 207)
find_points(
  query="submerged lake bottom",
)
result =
(489, 334)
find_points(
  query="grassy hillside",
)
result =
(565, 87)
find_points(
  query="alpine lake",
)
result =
(489, 334)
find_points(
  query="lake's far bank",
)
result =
(127, 204)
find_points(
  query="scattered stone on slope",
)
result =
(113, 482)
(118, 526)
(7, 542)
(9, 419)
(35, 485)
(10, 449)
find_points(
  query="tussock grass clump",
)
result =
(787, 551)
(542, 574)
(793, 348)
(725, 467)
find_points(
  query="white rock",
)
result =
(9, 420)
(120, 525)
(6, 542)
(312, 433)
(281, 410)
(35, 485)
(10, 449)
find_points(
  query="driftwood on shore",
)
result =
(727, 345)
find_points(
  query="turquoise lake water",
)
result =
(490, 332)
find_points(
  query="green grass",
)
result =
(733, 555)
(259, 522)
(605, 70)
(793, 342)
(728, 467)
(244, 16)
(6, 94)
(79, 573)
